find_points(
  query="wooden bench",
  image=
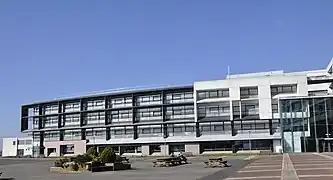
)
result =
(216, 162)
(124, 159)
(166, 162)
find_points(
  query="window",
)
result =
(219, 93)
(145, 131)
(218, 127)
(20, 142)
(157, 130)
(189, 95)
(177, 129)
(148, 113)
(14, 143)
(213, 110)
(205, 128)
(283, 89)
(176, 96)
(275, 108)
(189, 129)
(156, 98)
(28, 142)
(248, 91)
(120, 102)
(69, 149)
(155, 148)
(119, 131)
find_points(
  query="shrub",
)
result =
(74, 167)
(82, 159)
(108, 156)
(61, 162)
(92, 152)
(58, 163)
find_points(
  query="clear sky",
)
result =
(58, 48)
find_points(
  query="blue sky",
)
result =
(58, 48)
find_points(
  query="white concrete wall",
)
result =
(145, 150)
(8, 148)
(194, 149)
(277, 145)
(27, 149)
(79, 146)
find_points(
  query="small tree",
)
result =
(92, 152)
(108, 155)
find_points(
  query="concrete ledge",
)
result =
(62, 170)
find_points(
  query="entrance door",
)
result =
(326, 146)
(20, 152)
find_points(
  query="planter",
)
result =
(121, 166)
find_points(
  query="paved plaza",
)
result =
(288, 167)
(309, 166)
(142, 170)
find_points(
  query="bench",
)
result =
(169, 161)
(216, 162)
(124, 159)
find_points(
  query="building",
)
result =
(17, 147)
(241, 113)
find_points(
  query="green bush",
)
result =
(92, 152)
(74, 167)
(108, 156)
(61, 162)
(58, 163)
(83, 159)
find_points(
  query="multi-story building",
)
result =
(236, 114)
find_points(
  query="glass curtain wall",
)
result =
(307, 124)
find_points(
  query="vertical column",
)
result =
(315, 125)
(61, 136)
(233, 147)
(165, 149)
(292, 126)
(270, 126)
(83, 134)
(303, 122)
(233, 133)
(60, 106)
(164, 126)
(108, 134)
(121, 150)
(281, 124)
(41, 144)
(40, 119)
(197, 129)
(106, 106)
(81, 114)
(327, 129)
(240, 109)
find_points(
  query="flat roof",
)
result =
(119, 91)
(306, 97)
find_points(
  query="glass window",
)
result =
(189, 95)
(176, 96)
(177, 129)
(189, 129)
(218, 127)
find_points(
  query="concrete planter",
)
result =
(121, 166)
(62, 170)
